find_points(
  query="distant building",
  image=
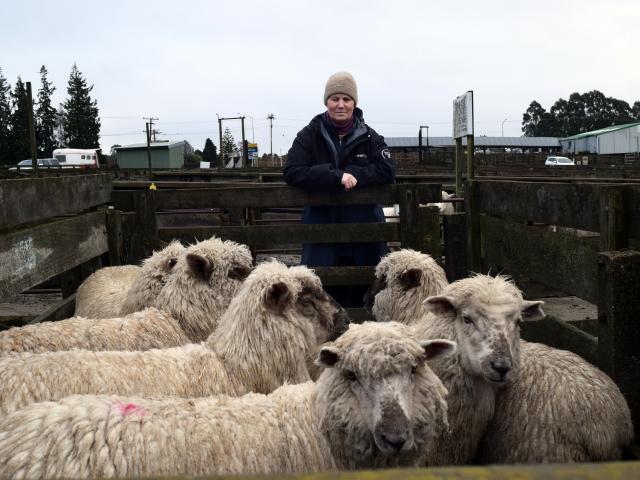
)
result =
(163, 155)
(617, 139)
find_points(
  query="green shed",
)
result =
(163, 155)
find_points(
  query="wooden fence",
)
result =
(52, 226)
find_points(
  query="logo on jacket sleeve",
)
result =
(386, 153)
(361, 155)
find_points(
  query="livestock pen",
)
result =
(577, 238)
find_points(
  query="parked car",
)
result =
(553, 160)
(42, 162)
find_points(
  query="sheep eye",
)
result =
(467, 319)
(414, 369)
(350, 376)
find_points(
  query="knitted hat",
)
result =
(341, 82)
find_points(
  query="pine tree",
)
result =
(209, 153)
(20, 142)
(45, 117)
(228, 148)
(58, 130)
(5, 121)
(81, 122)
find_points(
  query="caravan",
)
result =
(77, 157)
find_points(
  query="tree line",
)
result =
(74, 124)
(580, 113)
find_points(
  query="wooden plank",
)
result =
(566, 262)
(30, 200)
(359, 315)
(276, 196)
(474, 233)
(32, 255)
(618, 323)
(557, 333)
(345, 275)
(613, 220)
(455, 246)
(570, 205)
(583, 471)
(61, 310)
(260, 235)
(429, 231)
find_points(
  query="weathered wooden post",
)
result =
(429, 232)
(409, 217)
(144, 235)
(613, 220)
(114, 237)
(474, 240)
(619, 323)
(455, 246)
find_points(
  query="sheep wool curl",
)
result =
(112, 291)
(205, 278)
(154, 274)
(103, 292)
(143, 330)
(262, 342)
(292, 430)
(404, 279)
(558, 409)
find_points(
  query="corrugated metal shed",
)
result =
(617, 139)
(497, 142)
(163, 155)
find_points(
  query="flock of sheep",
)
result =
(198, 363)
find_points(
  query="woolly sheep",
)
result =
(105, 292)
(403, 280)
(376, 405)
(102, 293)
(558, 409)
(143, 330)
(263, 341)
(204, 279)
(392, 214)
(481, 314)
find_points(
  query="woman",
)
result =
(337, 150)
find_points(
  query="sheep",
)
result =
(403, 280)
(377, 404)
(392, 214)
(105, 292)
(558, 409)
(482, 315)
(102, 293)
(143, 330)
(262, 341)
(204, 279)
(209, 273)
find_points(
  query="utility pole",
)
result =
(271, 117)
(245, 151)
(32, 131)
(220, 153)
(149, 129)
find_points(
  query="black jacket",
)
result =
(317, 160)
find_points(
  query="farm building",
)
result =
(617, 139)
(163, 155)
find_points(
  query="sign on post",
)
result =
(463, 115)
(252, 153)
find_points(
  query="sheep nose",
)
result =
(502, 367)
(395, 441)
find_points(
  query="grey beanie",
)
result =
(341, 82)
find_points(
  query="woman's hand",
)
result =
(349, 181)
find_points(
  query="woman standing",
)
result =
(338, 150)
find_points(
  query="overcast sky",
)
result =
(187, 61)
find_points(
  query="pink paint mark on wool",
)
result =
(129, 409)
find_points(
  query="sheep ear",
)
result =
(441, 305)
(328, 356)
(438, 348)
(532, 311)
(277, 297)
(200, 266)
(410, 278)
(239, 272)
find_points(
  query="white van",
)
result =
(77, 157)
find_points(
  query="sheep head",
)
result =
(378, 400)
(403, 280)
(486, 313)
